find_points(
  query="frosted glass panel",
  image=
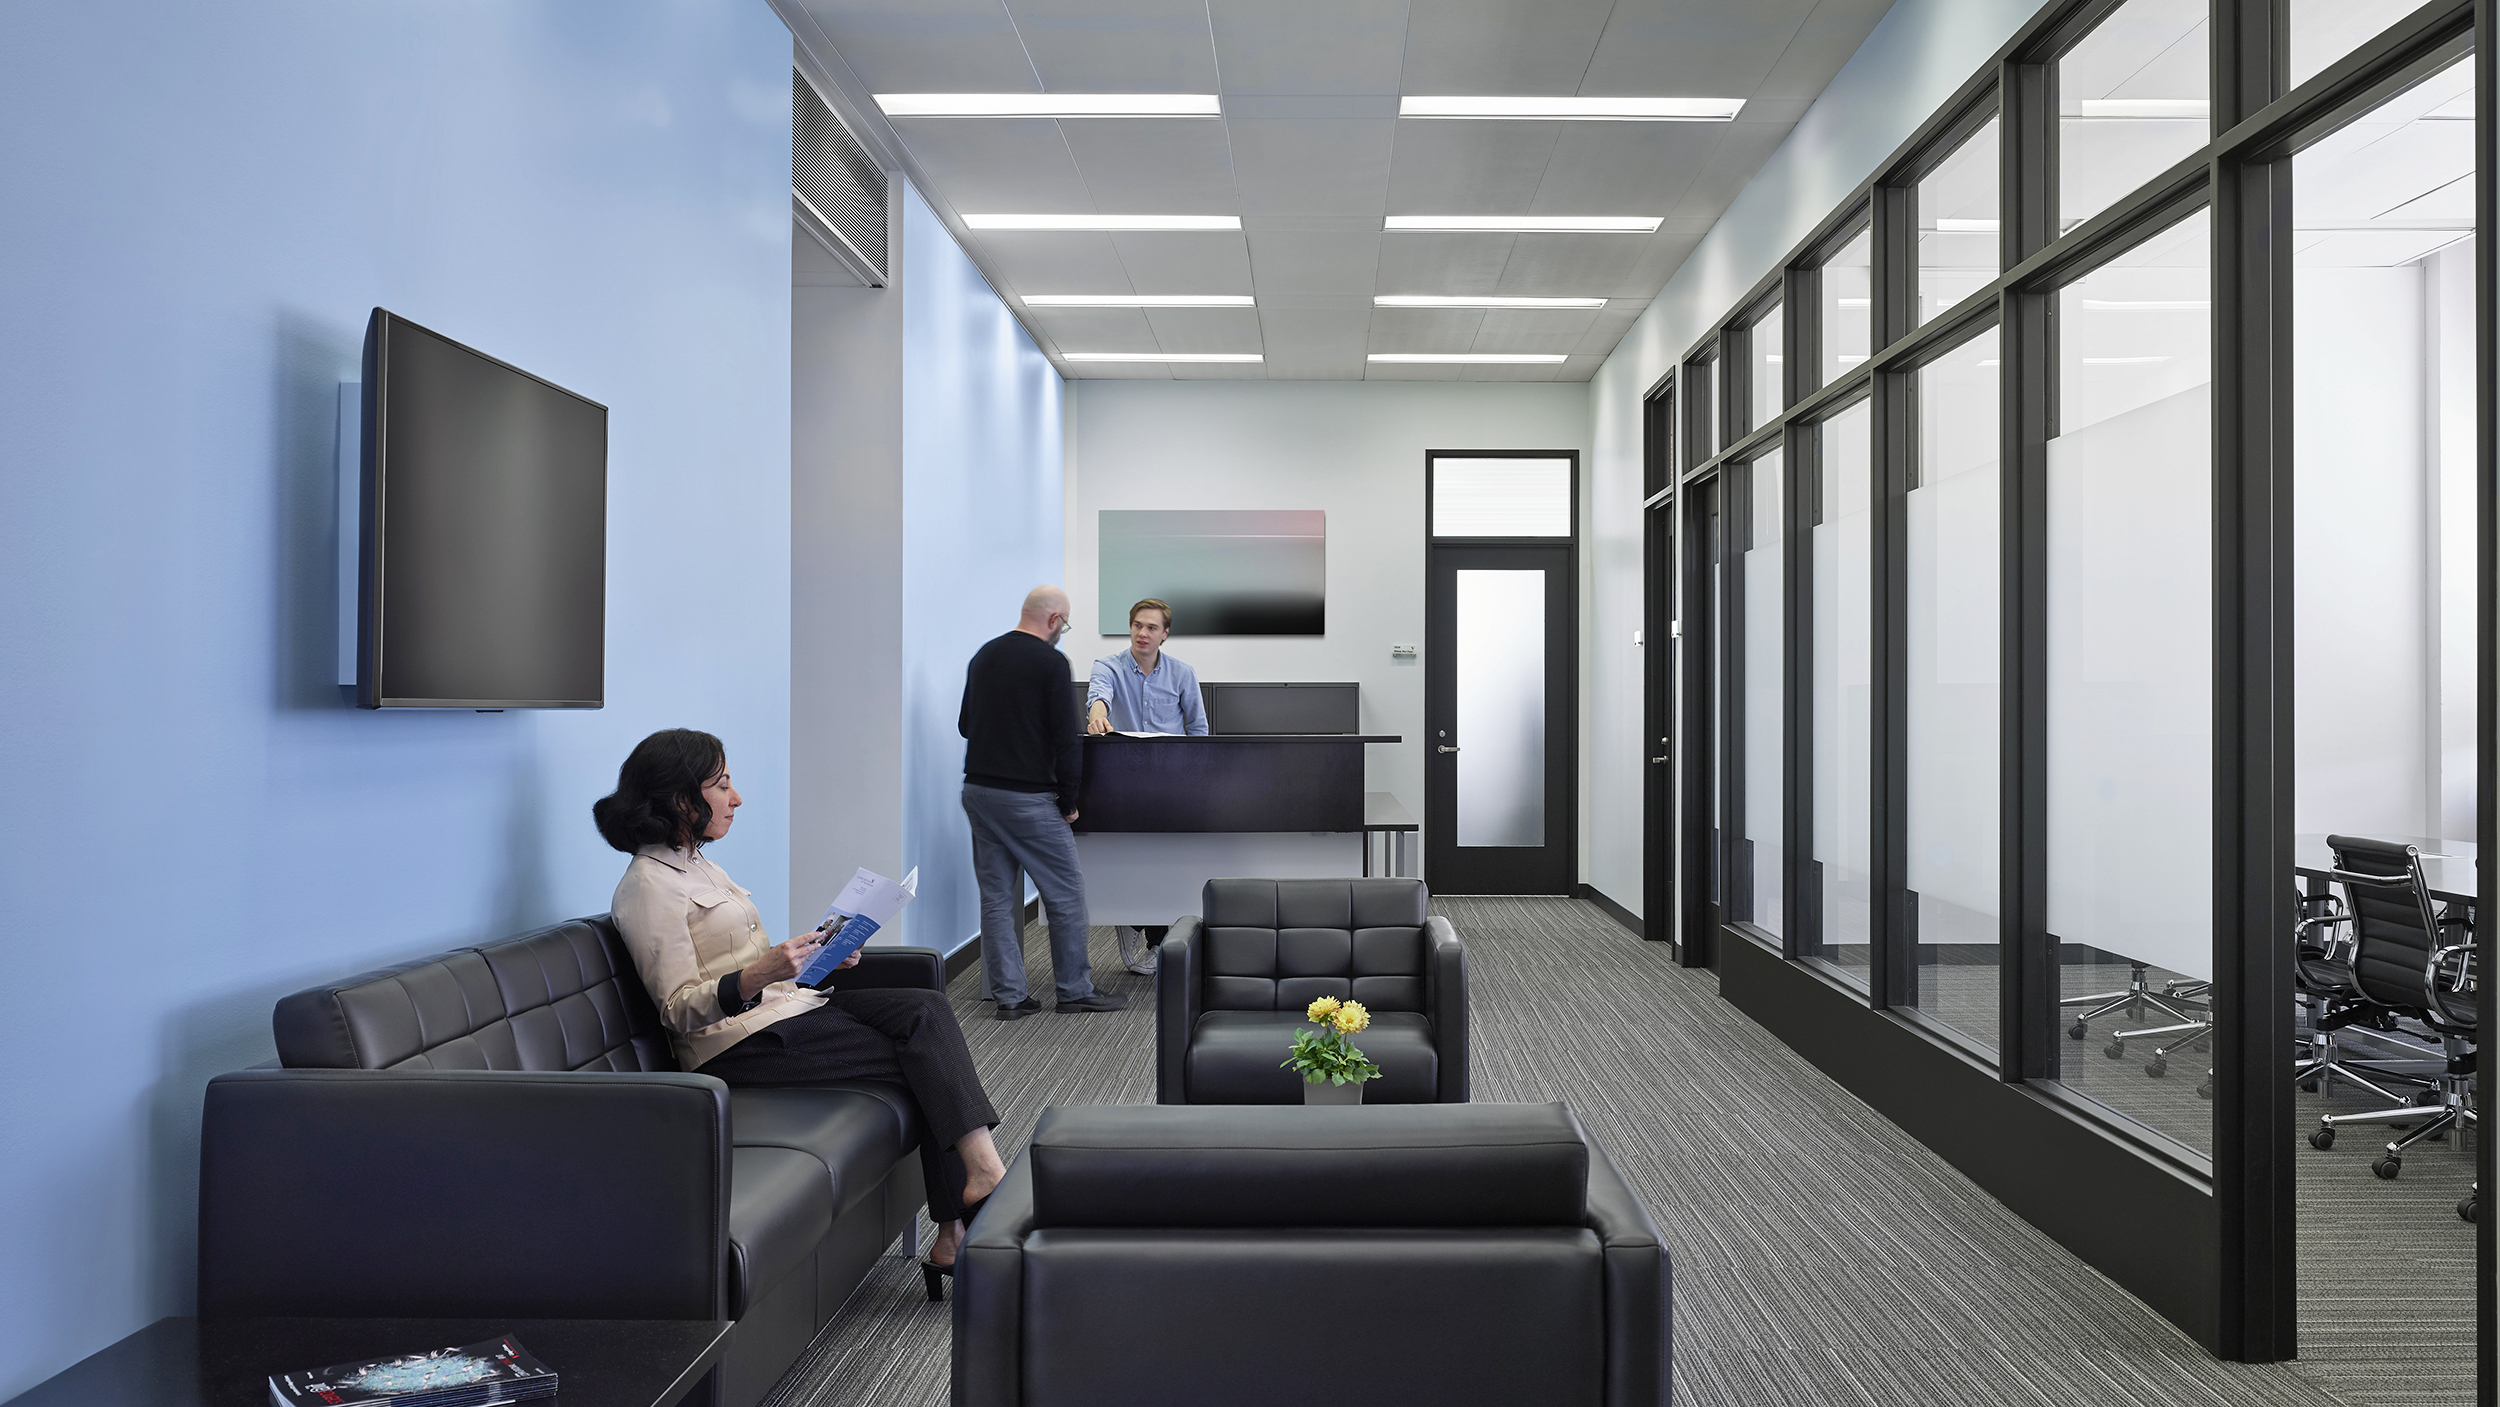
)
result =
(1500, 707)
(2326, 30)
(1953, 579)
(1843, 689)
(1762, 856)
(1768, 400)
(2130, 673)
(1958, 251)
(1501, 498)
(2131, 103)
(1848, 307)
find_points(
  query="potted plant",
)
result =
(1332, 1071)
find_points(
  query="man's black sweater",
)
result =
(1019, 719)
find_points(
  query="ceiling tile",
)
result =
(928, 46)
(1423, 330)
(1502, 46)
(1094, 329)
(1740, 154)
(1205, 329)
(987, 166)
(1575, 265)
(1310, 46)
(1185, 263)
(1675, 48)
(1413, 371)
(1447, 264)
(1118, 46)
(1154, 166)
(1303, 260)
(1218, 371)
(1287, 167)
(1624, 168)
(1533, 330)
(1470, 168)
(1821, 45)
(1051, 262)
(1314, 339)
(1118, 371)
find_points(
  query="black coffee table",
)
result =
(227, 1362)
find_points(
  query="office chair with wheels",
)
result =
(2420, 964)
(2174, 1000)
(2323, 983)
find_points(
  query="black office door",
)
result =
(1658, 767)
(1501, 713)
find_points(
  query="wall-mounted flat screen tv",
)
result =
(1225, 571)
(482, 578)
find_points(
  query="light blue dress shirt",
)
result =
(1165, 701)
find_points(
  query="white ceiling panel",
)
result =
(1218, 371)
(1310, 154)
(1154, 166)
(1429, 371)
(1185, 263)
(1502, 46)
(928, 46)
(1118, 46)
(1328, 167)
(1310, 46)
(1300, 258)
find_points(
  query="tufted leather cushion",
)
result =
(780, 1206)
(1280, 944)
(565, 997)
(1237, 1057)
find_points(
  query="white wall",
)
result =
(1913, 60)
(1352, 449)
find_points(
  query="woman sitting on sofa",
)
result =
(725, 990)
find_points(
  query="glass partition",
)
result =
(1762, 858)
(2326, 30)
(2130, 682)
(1957, 224)
(1769, 399)
(1840, 874)
(2131, 102)
(1954, 589)
(1848, 307)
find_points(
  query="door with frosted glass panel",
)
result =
(1500, 797)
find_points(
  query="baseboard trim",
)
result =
(1630, 920)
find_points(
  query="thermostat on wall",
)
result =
(1401, 652)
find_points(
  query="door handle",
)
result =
(1446, 748)
(1656, 760)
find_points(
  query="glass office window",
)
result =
(1505, 497)
(2131, 102)
(1769, 397)
(1761, 857)
(1957, 224)
(2130, 682)
(1840, 878)
(1848, 307)
(2326, 30)
(1954, 587)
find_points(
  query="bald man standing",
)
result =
(1023, 758)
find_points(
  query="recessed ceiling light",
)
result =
(1430, 300)
(2144, 107)
(1529, 224)
(1162, 356)
(1577, 109)
(1050, 104)
(1472, 358)
(1947, 224)
(1103, 222)
(1137, 300)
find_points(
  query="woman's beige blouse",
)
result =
(688, 925)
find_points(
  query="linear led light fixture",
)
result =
(2144, 107)
(1434, 300)
(1162, 356)
(1050, 104)
(1103, 222)
(1528, 224)
(1577, 109)
(1472, 358)
(1137, 300)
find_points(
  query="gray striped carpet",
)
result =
(1823, 1258)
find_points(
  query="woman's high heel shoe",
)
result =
(935, 1276)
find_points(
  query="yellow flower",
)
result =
(1350, 1017)
(1322, 1009)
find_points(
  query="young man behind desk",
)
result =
(1143, 690)
(1022, 764)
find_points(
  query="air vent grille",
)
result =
(833, 178)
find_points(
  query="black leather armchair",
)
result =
(1449, 1254)
(502, 1131)
(1232, 987)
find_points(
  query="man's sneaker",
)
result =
(1019, 1011)
(1147, 968)
(1099, 1001)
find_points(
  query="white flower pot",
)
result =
(1322, 1092)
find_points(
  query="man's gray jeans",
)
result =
(1017, 833)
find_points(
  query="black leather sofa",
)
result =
(1233, 984)
(1448, 1255)
(502, 1131)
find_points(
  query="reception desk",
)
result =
(1159, 817)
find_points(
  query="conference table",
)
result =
(2448, 866)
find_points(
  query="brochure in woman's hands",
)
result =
(869, 902)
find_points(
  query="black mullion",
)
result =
(1800, 926)
(2486, 640)
(1892, 966)
(1736, 528)
(2027, 1026)
(1735, 384)
(1802, 362)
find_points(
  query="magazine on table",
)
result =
(869, 902)
(498, 1370)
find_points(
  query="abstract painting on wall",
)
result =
(1225, 571)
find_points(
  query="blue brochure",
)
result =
(866, 904)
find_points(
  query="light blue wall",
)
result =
(203, 203)
(982, 525)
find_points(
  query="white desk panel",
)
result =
(1149, 878)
